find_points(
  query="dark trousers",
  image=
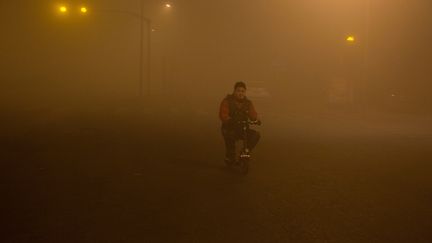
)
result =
(232, 135)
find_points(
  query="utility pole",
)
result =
(143, 20)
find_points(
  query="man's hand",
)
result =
(256, 122)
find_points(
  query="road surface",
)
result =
(126, 177)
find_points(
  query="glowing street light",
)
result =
(83, 10)
(350, 39)
(63, 9)
(143, 20)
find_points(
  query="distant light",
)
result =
(63, 9)
(350, 39)
(153, 29)
(393, 95)
(168, 5)
(84, 10)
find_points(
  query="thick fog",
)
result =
(294, 52)
(111, 126)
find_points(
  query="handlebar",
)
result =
(256, 122)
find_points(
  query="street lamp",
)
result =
(344, 82)
(143, 20)
(63, 9)
(351, 39)
(83, 10)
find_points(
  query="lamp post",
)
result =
(143, 21)
(366, 50)
(63, 9)
(149, 30)
(342, 90)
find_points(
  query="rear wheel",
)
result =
(244, 165)
(229, 162)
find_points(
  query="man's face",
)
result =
(239, 93)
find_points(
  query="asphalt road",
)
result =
(117, 177)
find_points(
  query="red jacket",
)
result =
(224, 111)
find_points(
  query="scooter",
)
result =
(242, 151)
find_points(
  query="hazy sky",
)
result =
(217, 42)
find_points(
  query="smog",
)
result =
(216, 121)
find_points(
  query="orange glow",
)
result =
(63, 9)
(350, 39)
(84, 10)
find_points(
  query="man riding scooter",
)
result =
(234, 109)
